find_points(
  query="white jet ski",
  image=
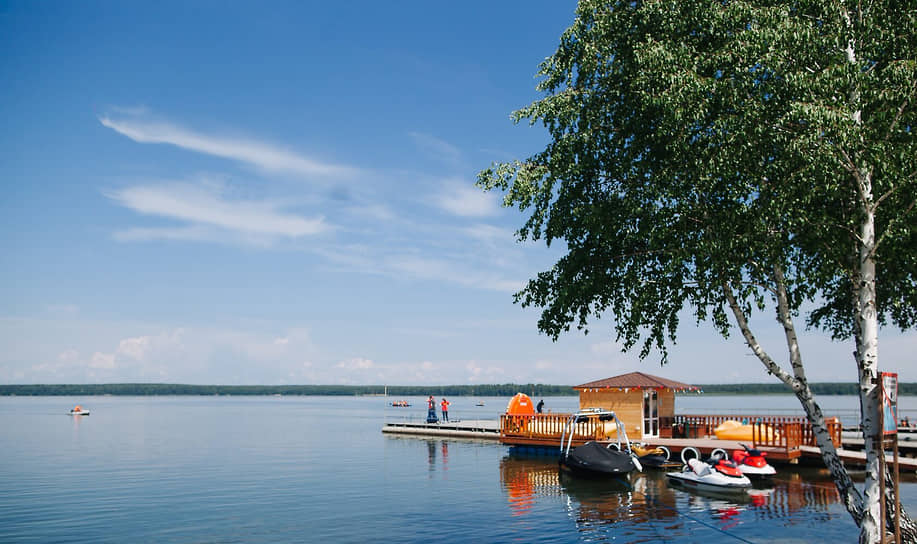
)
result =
(723, 475)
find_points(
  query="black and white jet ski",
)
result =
(715, 475)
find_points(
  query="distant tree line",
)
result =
(141, 389)
(780, 389)
(482, 390)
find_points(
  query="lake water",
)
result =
(318, 469)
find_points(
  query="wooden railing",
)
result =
(783, 432)
(549, 427)
(770, 431)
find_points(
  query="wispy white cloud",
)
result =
(606, 348)
(194, 233)
(450, 271)
(466, 200)
(130, 110)
(374, 212)
(481, 374)
(264, 155)
(207, 208)
(440, 149)
(490, 235)
(356, 363)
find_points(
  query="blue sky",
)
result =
(267, 193)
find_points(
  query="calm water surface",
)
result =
(318, 469)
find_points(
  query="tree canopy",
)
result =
(698, 144)
(726, 156)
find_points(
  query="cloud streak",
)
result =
(465, 200)
(206, 208)
(260, 154)
(437, 148)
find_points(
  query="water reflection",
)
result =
(431, 457)
(442, 446)
(797, 496)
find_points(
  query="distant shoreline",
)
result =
(480, 390)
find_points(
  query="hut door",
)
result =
(650, 413)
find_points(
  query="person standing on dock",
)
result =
(431, 410)
(540, 406)
(445, 408)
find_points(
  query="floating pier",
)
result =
(487, 429)
(482, 429)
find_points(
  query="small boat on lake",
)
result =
(79, 411)
(401, 404)
(595, 459)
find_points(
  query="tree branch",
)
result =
(900, 112)
(890, 225)
(769, 364)
(789, 331)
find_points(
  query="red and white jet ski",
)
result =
(752, 463)
(715, 475)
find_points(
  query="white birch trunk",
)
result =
(867, 358)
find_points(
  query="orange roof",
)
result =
(636, 380)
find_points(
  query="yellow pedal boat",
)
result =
(742, 432)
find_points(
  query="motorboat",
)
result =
(736, 430)
(752, 463)
(401, 404)
(716, 475)
(79, 411)
(595, 459)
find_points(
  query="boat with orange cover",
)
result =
(79, 411)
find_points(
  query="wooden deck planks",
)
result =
(859, 458)
(479, 428)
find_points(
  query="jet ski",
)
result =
(594, 459)
(653, 456)
(752, 463)
(717, 474)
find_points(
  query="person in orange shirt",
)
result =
(444, 405)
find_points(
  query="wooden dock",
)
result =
(806, 453)
(481, 429)
(858, 458)
(549, 437)
(792, 441)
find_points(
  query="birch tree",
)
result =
(732, 158)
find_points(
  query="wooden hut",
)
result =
(644, 403)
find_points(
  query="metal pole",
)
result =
(897, 495)
(881, 439)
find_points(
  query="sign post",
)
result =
(888, 389)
